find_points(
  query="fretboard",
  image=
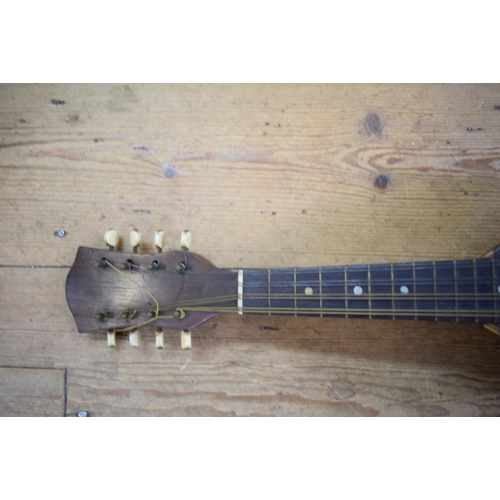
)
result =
(462, 290)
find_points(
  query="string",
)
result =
(408, 281)
(363, 297)
(157, 311)
(203, 304)
(353, 312)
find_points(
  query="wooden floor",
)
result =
(264, 176)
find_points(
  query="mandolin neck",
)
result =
(117, 291)
(455, 290)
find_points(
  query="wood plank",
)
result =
(247, 384)
(31, 392)
(256, 365)
(312, 178)
(265, 176)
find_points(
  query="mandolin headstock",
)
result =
(115, 291)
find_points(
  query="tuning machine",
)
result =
(135, 239)
(159, 240)
(159, 338)
(186, 339)
(186, 237)
(111, 338)
(111, 238)
(135, 338)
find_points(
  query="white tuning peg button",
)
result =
(160, 340)
(186, 339)
(160, 240)
(111, 338)
(135, 338)
(111, 238)
(135, 239)
(186, 240)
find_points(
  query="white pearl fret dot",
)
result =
(498, 288)
(404, 289)
(357, 290)
(308, 291)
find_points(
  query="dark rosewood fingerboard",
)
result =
(464, 290)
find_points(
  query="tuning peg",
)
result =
(186, 239)
(186, 339)
(111, 238)
(160, 341)
(135, 239)
(159, 240)
(111, 338)
(135, 338)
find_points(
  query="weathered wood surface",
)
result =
(32, 392)
(264, 176)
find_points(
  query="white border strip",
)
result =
(240, 291)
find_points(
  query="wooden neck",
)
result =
(464, 290)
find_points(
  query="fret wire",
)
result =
(414, 292)
(338, 282)
(455, 288)
(345, 290)
(475, 286)
(408, 296)
(435, 286)
(392, 286)
(240, 291)
(295, 290)
(320, 292)
(494, 288)
(402, 265)
(269, 290)
(314, 283)
(396, 293)
(300, 271)
(369, 291)
(470, 301)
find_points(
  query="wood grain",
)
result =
(32, 392)
(264, 176)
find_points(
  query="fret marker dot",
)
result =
(357, 290)
(498, 288)
(404, 289)
(308, 291)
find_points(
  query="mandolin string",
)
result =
(341, 296)
(341, 283)
(203, 303)
(207, 306)
(280, 273)
(157, 311)
(431, 313)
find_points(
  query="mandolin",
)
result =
(120, 292)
